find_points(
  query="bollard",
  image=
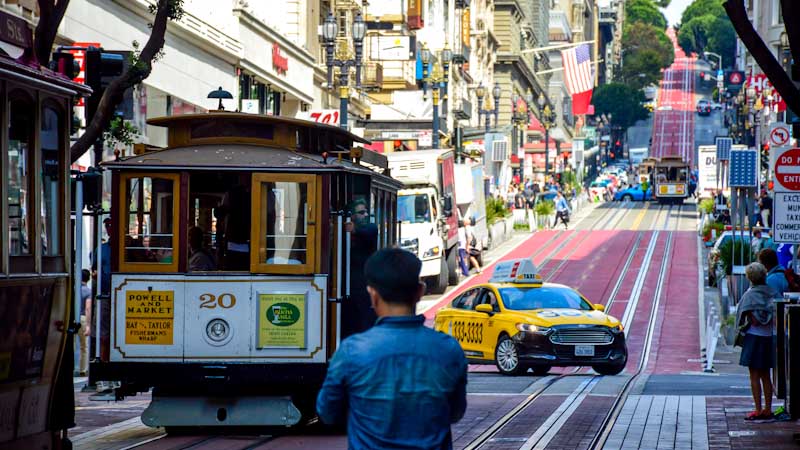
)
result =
(792, 357)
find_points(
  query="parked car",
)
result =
(713, 261)
(715, 105)
(703, 108)
(598, 188)
(633, 193)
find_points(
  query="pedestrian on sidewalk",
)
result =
(562, 210)
(776, 273)
(473, 247)
(396, 396)
(754, 318)
(462, 249)
(86, 322)
(765, 205)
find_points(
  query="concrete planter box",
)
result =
(500, 231)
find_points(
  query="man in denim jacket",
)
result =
(399, 384)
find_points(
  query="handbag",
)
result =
(741, 331)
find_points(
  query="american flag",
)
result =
(578, 69)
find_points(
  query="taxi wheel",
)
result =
(609, 369)
(541, 370)
(506, 357)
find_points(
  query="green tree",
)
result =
(705, 27)
(622, 101)
(51, 13)
(645, 11)
(645, 51)
(663, 3)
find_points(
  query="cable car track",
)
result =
(548, 430)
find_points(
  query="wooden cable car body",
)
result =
(671, 179)
(37, 305)
(245, 339)
(646, 169)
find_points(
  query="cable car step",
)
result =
(220, 411)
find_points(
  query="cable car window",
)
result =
(20, 208)
(284, 222)
(149, 221)
(50, 138)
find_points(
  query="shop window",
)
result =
(20, 178)
(50, 193)
(149, 223)
(283, 223)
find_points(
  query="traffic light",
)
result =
(702, 75)
(101, 68)
(765, 155)
(65, 64)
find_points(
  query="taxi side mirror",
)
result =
(599, 307)
(484, 308)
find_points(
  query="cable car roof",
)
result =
(189, 120)
(248, 157)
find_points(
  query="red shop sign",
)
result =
(279, 62)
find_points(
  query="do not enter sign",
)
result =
(787, 170)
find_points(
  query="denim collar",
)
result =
(401, 321)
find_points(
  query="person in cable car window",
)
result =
(200, 258)
(235, 213)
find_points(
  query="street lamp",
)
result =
(438, 77)
(548, 119)
(330, 29)
(487, 113)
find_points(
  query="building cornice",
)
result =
(254, 23)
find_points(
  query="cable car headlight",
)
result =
(218, 330)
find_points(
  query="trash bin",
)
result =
(779, 374)
(792, 358)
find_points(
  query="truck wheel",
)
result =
(437, 284)
(452, 267)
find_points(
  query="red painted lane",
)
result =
(673, 128)
(637, 331)
(677, 336)
(623, 296)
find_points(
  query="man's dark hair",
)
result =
(768, 258)
(85, 275)
(394, 273)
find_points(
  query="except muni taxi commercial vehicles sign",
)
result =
(787, 196)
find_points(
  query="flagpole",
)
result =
(558, 69)
(555, 47)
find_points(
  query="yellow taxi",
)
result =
(516, 322)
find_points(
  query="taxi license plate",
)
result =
(584, 350)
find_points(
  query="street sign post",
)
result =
(779, 134)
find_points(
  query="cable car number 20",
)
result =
(224, 301)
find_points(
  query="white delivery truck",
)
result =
(426, 210)
(707, 170)
(637, 155)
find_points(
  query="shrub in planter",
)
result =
(495, 210)
(707, 205)
(711, 225)
(735, 253)
(545, 208)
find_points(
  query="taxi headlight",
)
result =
(431, 252)
(618, 328)
(531, 328)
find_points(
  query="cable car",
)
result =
(237, 265)
(36, 356)
(646, 168)
(671, 178)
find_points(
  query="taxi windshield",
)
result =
(523, 299)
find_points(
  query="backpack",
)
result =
(793, 279)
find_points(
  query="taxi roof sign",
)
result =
(516, 271)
